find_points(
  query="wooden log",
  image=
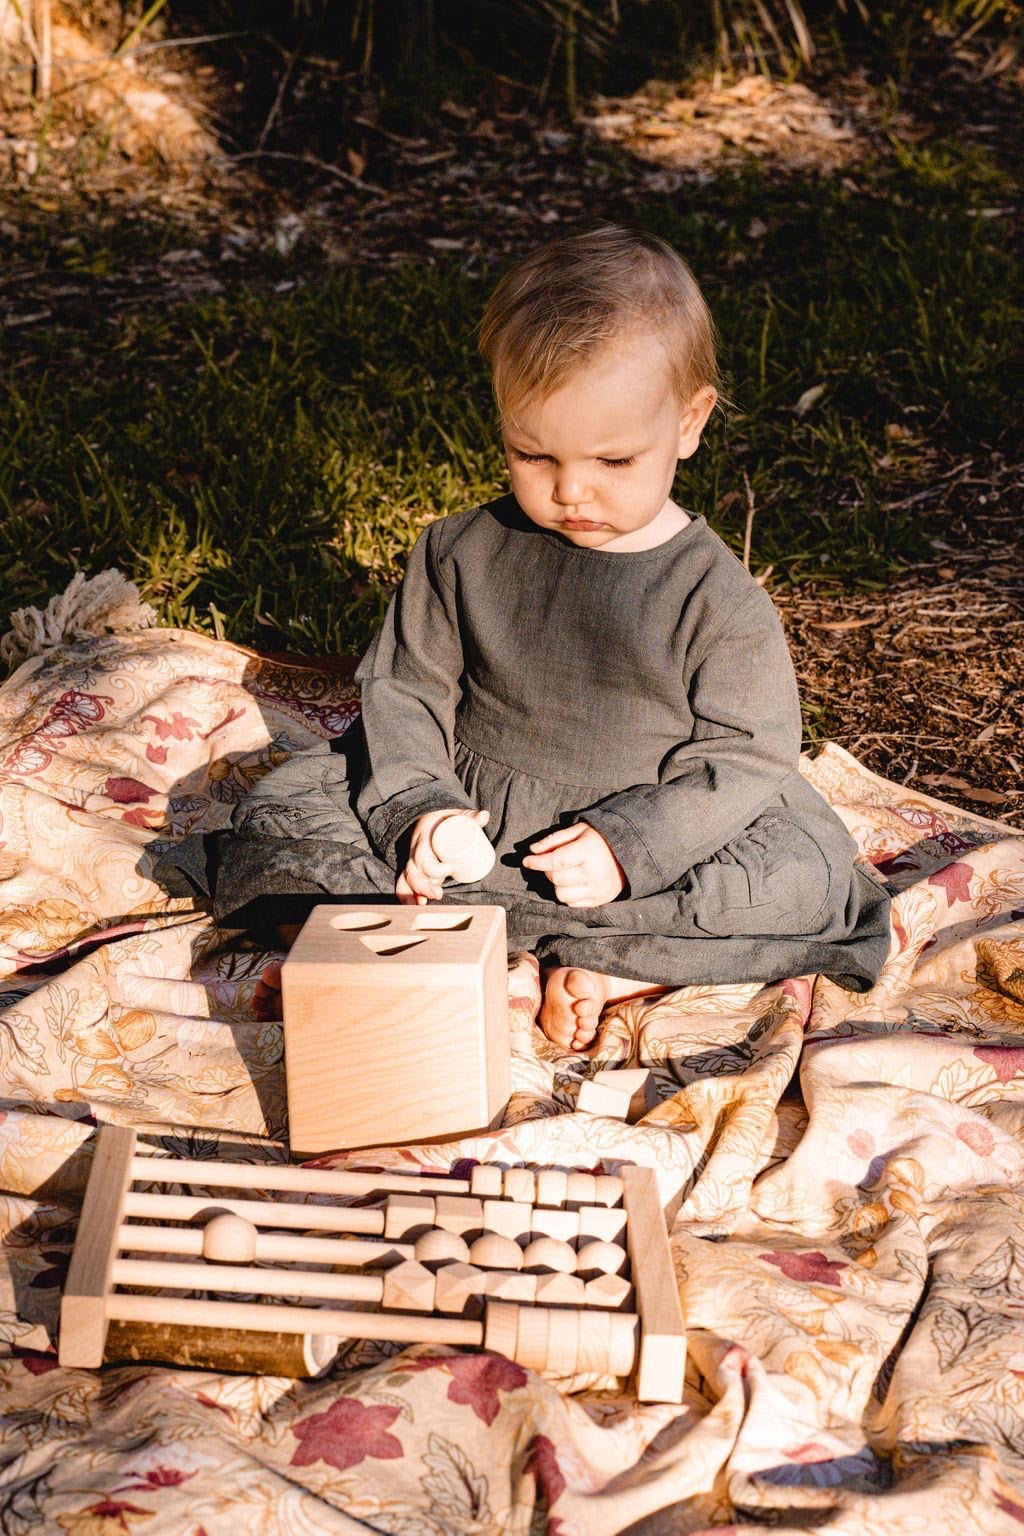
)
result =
(220, 1349)
(83, 1308)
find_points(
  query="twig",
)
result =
(748, 530)
(286, 76)
(320, 165)
(140, 26)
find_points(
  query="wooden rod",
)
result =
(246, 1279)
(266, 1213)
(310, 1181)
(276, 1247)
(401, 1327)
(83, 1315)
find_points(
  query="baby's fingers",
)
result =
(558, 838)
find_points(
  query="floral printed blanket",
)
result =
(848, 1171)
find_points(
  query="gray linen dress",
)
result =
(650, 694)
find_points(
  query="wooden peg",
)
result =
(462, 844)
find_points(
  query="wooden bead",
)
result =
(532, 1338)
(608, 1189)
(229, 1239)
(439, 1246)
(519, 1184)
(548, 1253)
(459, 1213)
(560, 1290)
(501, 1328)
(597, 1258)
(608, 1223)
(563, 1342)
(504, 1285)
(485, 1180)
(565, 1225)
(407, 1215)
(510, 1217)
(493, 1251)
(409, 1287)
(613, 1292)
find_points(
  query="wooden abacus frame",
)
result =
(552, 1319)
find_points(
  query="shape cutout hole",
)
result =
(392, 943)
(355, 920)
(443, 922)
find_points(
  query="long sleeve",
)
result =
(410, 682)
(743, 746)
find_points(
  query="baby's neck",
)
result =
(669, 521)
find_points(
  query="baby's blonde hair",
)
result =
(566, 300)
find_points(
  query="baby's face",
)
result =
(594, 461)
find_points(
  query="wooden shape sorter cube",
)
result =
(395, 1025)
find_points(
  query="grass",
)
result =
(260, 461)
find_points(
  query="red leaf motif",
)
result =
(156, 755)
(814, 1267)
(1009, 1507)
(345, 1435)
(126, 791)
(39, 1365)
(955, 880)
(178, 727)
(1005, 1060)
(976, 1136)
(861, 1143)
(542, 1461)
(479, 1378)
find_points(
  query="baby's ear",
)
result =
(694, 419)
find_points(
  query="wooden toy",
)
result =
(150, 1267)
(625, 1093)
(396, 1023)
(461, 843)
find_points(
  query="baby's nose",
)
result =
(571, 489)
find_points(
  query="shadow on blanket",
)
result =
(856, 1354)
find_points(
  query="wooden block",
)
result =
(83, 1309)
(581, 1190)
(519, 1184)
(551, 1186)
(613, 1292)
(485, 1180)
(598, 1258)
(608, 1189)
(532, 1338)
(624, 1093)
(493, 1251)
(662, 1356)
(408, 1214)
(459, 1213)
(459, 1289)
(563, 1342)
(508, 1285)
(501, 1328)
(437, 1246)
(547, 1253)
(560, 1290)
(601, 1221)
(409, 1287)
(508, 1217)
(565, 1225)
(462, 844)
(431, 983)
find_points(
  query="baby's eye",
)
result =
(529, 458)
(617, 463)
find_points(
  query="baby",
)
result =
(584, 667)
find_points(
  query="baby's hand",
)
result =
(580, 865)
(424, 874)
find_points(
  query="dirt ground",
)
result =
(923, 681)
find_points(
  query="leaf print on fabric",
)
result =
(20, 1046)
(956, 1331)
(813, 1268)
(977, 1136)
(1010, 1507)
(458, 1494)
(1006, 1061)
(955, 880)
(345, 1435)
(109, 1517)
(1002, 1273)
(542, 1461)
(477, 1380)
(128, 791)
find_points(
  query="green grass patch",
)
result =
(261, 461)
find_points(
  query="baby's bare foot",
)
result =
(571, 1010)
